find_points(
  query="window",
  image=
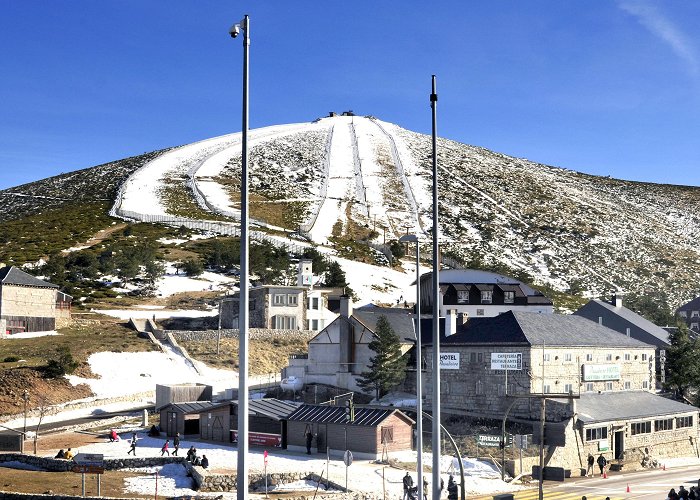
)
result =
(608, 357)
(596, 433)
(278, 299)
(608, 386)
(313, 324)
(645, 384)
(663, 425)
(628, 385)
(545, 356)
(472, 357)
(628, 356)
(387, 434)
(640, 428)
(682, 314)
(589, 357)
(567, 356)
(292, 299)
(694, 326)
(285, 323)
(313, 303)
(568, 388)
(589, 386)
(486, 297)
(479, 312)
(547, 389)
(684, 422)
(508, 297)
(479, 388)
(480, 357)
(695, 314)
(462, 296)
(644, 357)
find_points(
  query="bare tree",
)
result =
(43, 405)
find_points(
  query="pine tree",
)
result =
(682, 366)
(387, 368)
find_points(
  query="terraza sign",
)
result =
(506, 361)
(592, 373)
(449, 361)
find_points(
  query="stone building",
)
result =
(474, 293)
(690, 314)
(598, 384)
(340, 352)
(28, 304)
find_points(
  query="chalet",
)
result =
(690, 314)
(373, 432)
(28, 304)
(474, 293)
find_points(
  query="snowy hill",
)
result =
(343, 179)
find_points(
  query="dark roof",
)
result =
(336, 415)
(593, 308)
(625, 405)
(693, 304)
(400, 320)
(10, 275)
(191, 407)
(272, 408)
(526, 328)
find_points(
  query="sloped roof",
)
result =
(272, 408)
(525, 328)
(10, 275)
(400, 320)
(625, 405)
(191, 407)
(592, 309)
(336, 415)
(693, 304)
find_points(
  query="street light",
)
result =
(412, 238)
(25, 396)
(242, 452)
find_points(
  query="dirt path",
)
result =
(101, 235)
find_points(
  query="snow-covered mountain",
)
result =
(347, 178)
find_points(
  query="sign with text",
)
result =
(260, 439)
(449, 361)
(506, 361)
(493, 441)
(591, 373)
(93, 459)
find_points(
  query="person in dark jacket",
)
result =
(602, 463)
(407, 485)
(451, 489)
(176, 443)
(132, 448)
(591, 462)
(60, 454)
(205, 462)
(309, 438)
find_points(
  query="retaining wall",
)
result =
(254, 334)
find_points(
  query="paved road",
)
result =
(643, 485)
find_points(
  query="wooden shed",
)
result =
(183, 417)
(267, 425)
(373, 432)
(181, 393)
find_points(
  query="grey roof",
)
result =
(401, 320)
(526, 328)
(272, 408)
(10, 275)
(336, 415)
(692, 305)
(625, 405)
(624, 313)
(191, 407)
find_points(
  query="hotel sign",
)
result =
(449, 361)
(592, 373)
(506, 361)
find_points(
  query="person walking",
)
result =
(407, 485)
(309, 438)
(164, 449)
(602, 463)
(132, 448)
(589, 470)
(451, 488)
(425, 488)
(176, 443)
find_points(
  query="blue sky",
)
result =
(608, 88)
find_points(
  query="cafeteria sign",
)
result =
(506, 361)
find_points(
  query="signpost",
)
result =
(89, 463)
(265, 459)
(347, 460)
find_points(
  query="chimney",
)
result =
(462, 318)
(617, 298)
(600, 320)
(305, 273)
(628, 332)
(345, 306)
(450, 322)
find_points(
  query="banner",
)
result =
(260, 439)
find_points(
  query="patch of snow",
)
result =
(28, 335)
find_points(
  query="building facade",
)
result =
(690, 314)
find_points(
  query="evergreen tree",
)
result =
(335, 276)
(387, 368)
(681, 362)
(192, 267)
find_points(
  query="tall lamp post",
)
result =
(25, 396)
(412, 238)
(436, 308)
(242, 452)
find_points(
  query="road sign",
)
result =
(493, 440)
(520, 441)
(88, 469)
(93, 459)
(347, 458)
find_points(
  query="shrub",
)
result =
(11, 359)
(62, 364)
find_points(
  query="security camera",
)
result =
(235, 30)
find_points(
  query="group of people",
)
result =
(410, 492)
(601, 461)
(682, 494)
(195, 460)
(67, 455)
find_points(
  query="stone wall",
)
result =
(28, 301)
(58, 465)
(254, 334)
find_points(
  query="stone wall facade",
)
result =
(253, 333)
(28, 301)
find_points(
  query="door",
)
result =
(321, 438)
(619, 445)
(171, 423)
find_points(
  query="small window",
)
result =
(640, 428)
(479, 312)
(608, 386)
(278, 299)
(682, 314)
(314, 324)
(479, 388)
(684, 422)
(568, 388)
(596, 433)
(645, 384)
(694, 326)
(589, 386)
(387, 434)
(313, 303)
(292, 299)
(546, 356)
(480, 357)
(644, 357)
(472, 357)
(608, 357)
(547, 389)
(628, 356)
(486, 297)
(589, 357)
(462, 297)
(628, 385)
(508, 297)
(567, 356)
(695, 314)
(663, 425)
